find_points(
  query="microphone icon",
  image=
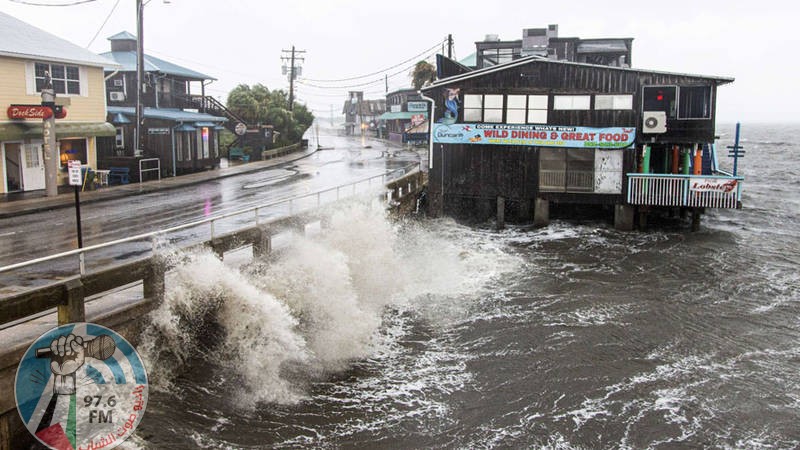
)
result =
(101, 347)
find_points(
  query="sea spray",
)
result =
(318, 305)
(257, 338)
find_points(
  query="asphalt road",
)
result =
(342, 160)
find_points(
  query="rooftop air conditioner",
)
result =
(655, 122)
(116, 96)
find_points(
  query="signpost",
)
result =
(75, 179)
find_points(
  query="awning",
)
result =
(120, 119)
(400, 115)
(26, 130)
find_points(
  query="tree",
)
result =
(423, 73)
(258, 105)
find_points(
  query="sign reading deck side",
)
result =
(533, 135)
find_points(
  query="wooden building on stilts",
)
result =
(515, 138)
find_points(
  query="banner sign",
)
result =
(722, 185)
(417, 107)
(534, 135)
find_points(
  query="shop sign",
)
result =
(158, 131)
(417, 107)
(29, 112)
(723, 185)
(534, 135)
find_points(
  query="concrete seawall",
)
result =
(121, 296)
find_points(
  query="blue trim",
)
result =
(678, 175)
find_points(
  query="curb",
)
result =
(59, 203)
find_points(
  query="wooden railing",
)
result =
(697, 191)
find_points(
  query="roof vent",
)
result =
(492, 38)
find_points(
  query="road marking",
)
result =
(8, 234)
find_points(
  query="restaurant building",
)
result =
(515, 138)
(26, 53)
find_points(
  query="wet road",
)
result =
(342, 160)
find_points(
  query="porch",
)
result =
(721, 190)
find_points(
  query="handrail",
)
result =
(680, 175)
(210, 220)
(157, 168)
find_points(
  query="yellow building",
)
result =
(26, 52)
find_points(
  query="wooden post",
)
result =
(623, 217)
(154, 284)
(525, 210)
(695, 219)
(74, 310)
(541, 212)
(262, 245)
(501, 213)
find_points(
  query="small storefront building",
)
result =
(26, 55)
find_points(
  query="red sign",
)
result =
(29, 112)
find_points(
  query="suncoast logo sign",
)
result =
(81, 386)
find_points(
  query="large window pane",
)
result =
(493, 101)
(515, 116)
(472, 115)
(493, 115)
(571, 102)
(537, 116)
(516, 101)
(537, 102)
(694, 102)
(473, 101)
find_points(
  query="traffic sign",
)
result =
(240, 129)
(74, 169)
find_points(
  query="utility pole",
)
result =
(49, 147)
(139, 75)
(293, 71)
(331, 115)
(450, 46)
(386, 80)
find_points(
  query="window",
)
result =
(72, 150)
(66, 79)
(483, 108)
(534, 105)
(537, 109)
(566, 170)
(621, 101)
(659, 98)
(473, 108)
(571, 102)
(120, 139)
(694, 102)
(516, 105)
(493, 108)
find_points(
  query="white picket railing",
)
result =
(681, 190)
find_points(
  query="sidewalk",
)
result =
(27, 203)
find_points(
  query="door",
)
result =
(13, 164)
(32, 166)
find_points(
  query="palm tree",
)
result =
(422, 74)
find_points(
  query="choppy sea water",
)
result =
(434, 334)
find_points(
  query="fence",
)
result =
(685, 190)
(74, 282)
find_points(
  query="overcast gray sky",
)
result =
(240, 41)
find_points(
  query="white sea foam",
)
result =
(315, 306)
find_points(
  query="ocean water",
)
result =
(433, 334)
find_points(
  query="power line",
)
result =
(103, 25)
(72, 3)
(379, 80)
(378, 72)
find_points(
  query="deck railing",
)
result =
(700, 191)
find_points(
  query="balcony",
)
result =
(720, 190)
